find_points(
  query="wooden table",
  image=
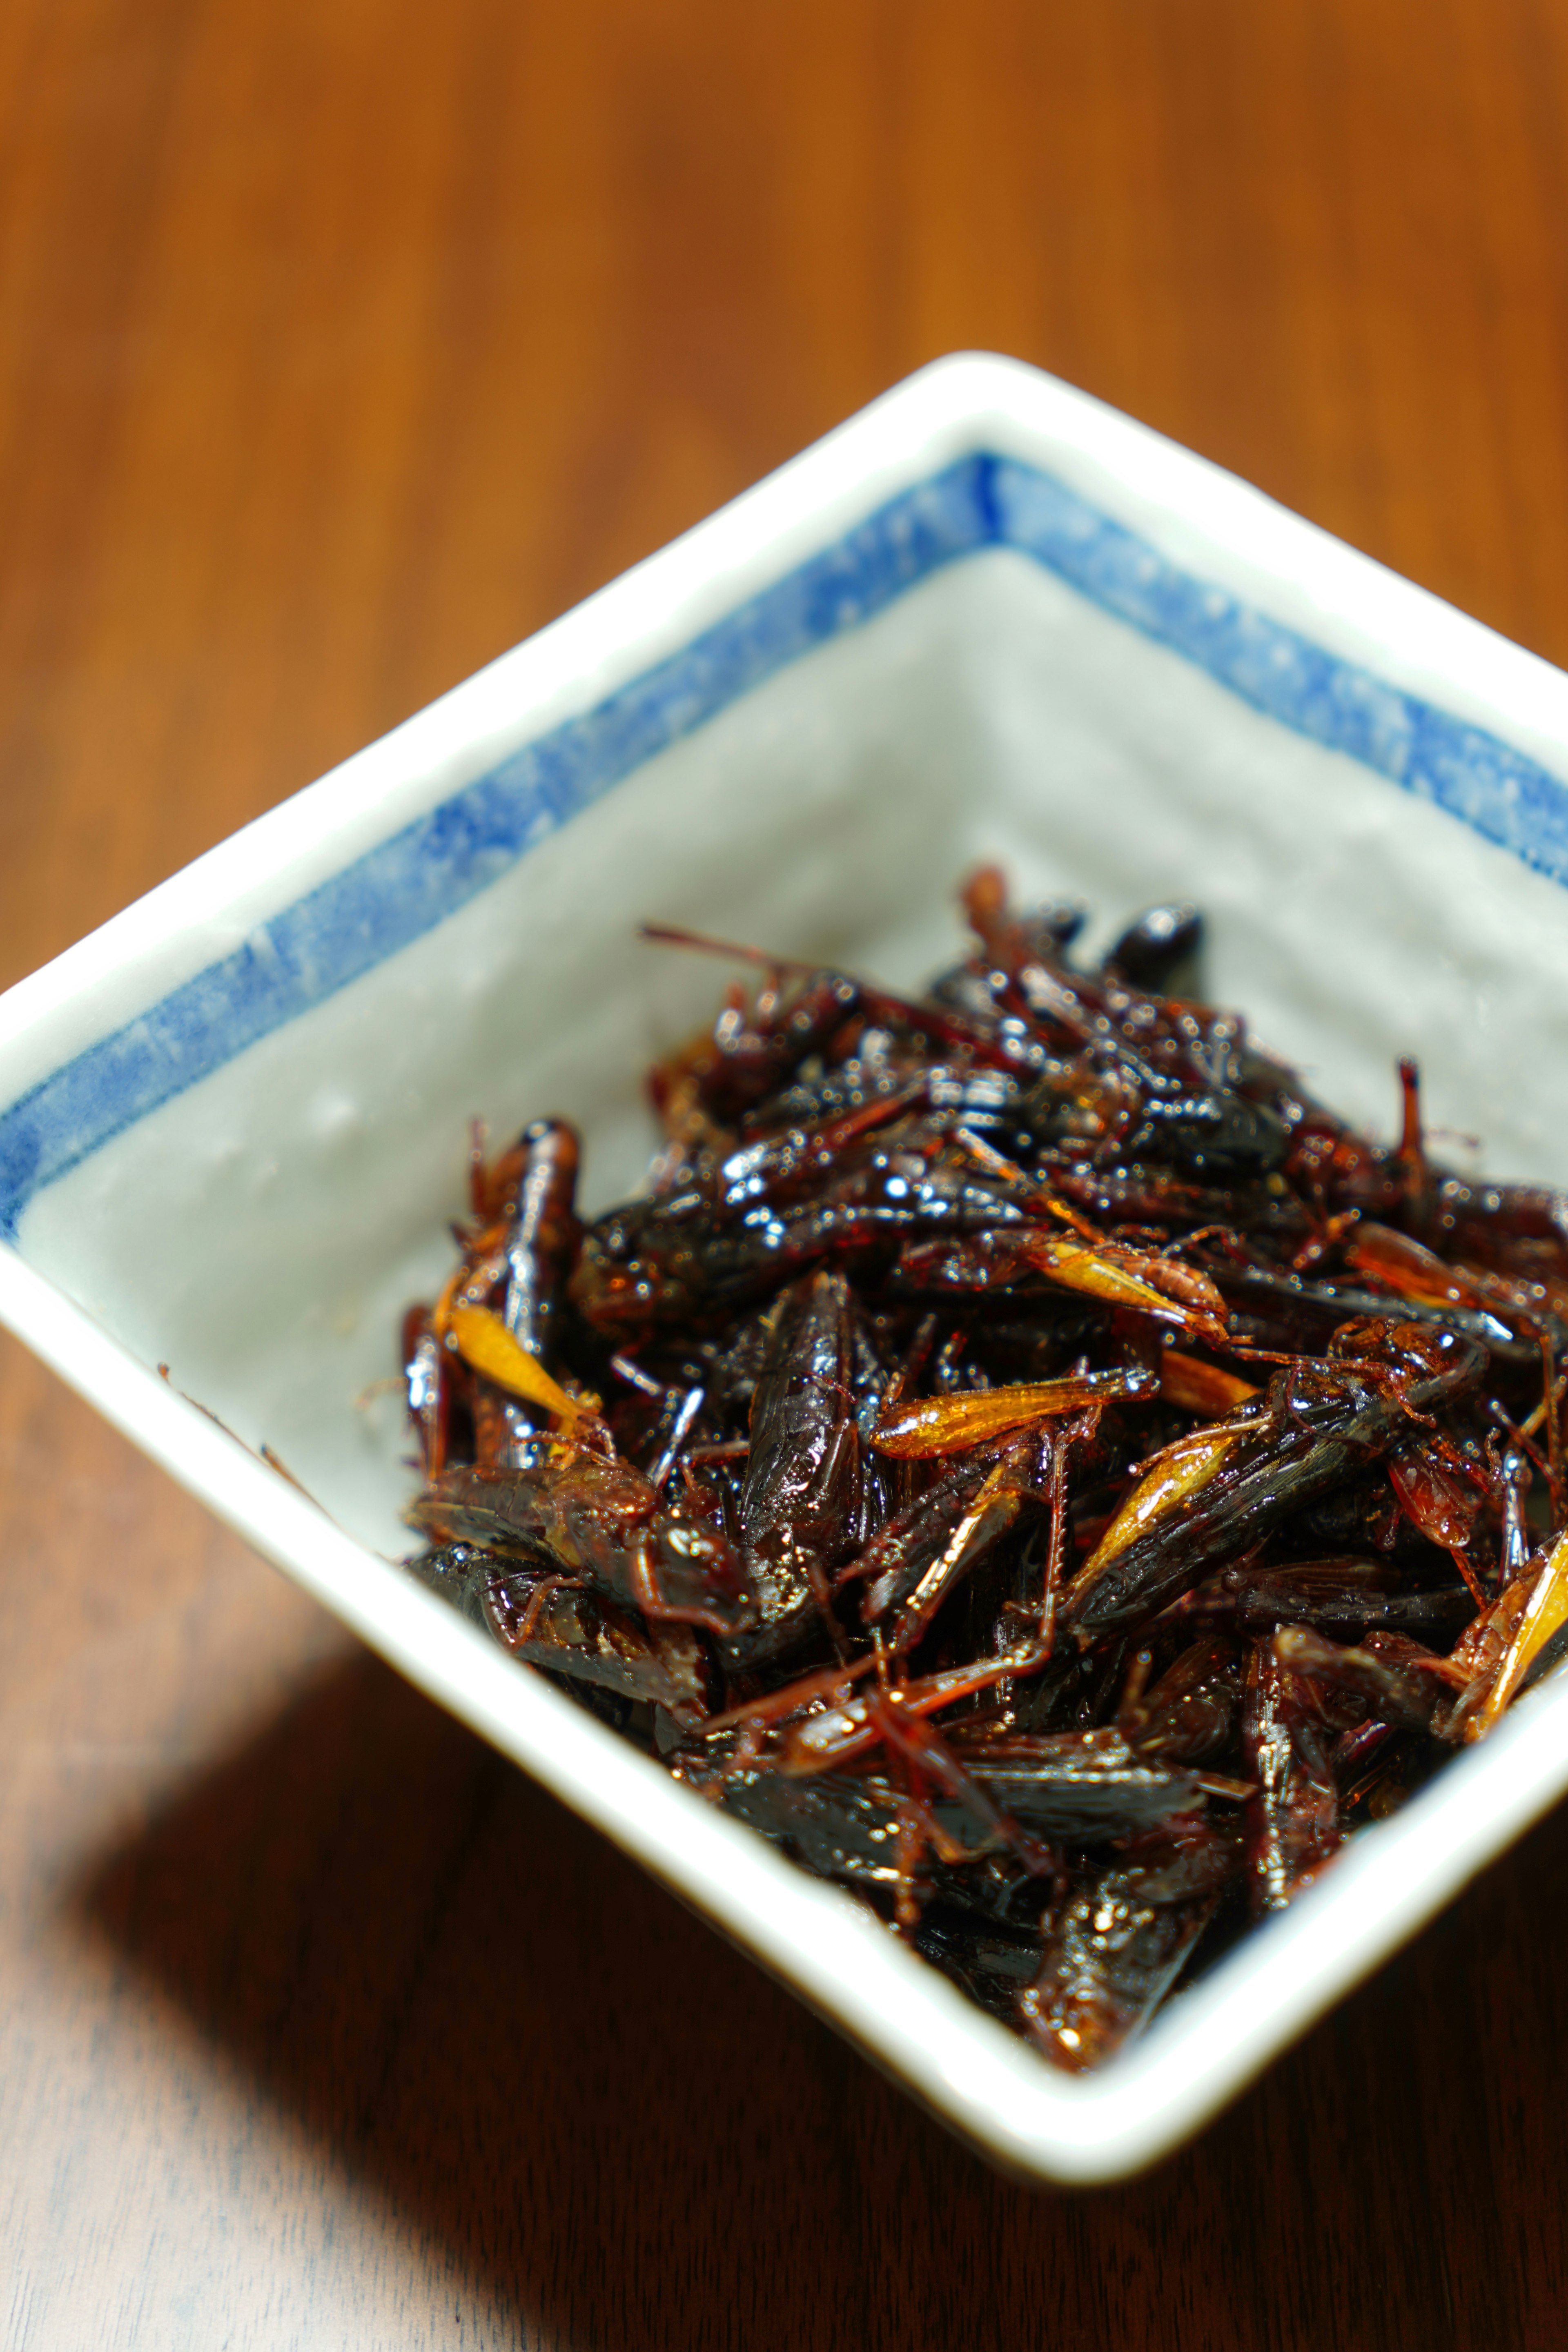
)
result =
(340, 345)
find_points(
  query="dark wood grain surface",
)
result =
(341, 344)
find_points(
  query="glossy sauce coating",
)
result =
(1020, 1452)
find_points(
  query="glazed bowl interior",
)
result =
(262, 1231)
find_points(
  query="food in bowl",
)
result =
(1020, 1452)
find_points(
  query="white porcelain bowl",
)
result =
(988, 618)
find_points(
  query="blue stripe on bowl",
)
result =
(407, 884)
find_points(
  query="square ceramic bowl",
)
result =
(987, 618)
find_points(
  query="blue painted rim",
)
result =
(430, 869)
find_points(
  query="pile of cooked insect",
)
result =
(1020, 1452)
